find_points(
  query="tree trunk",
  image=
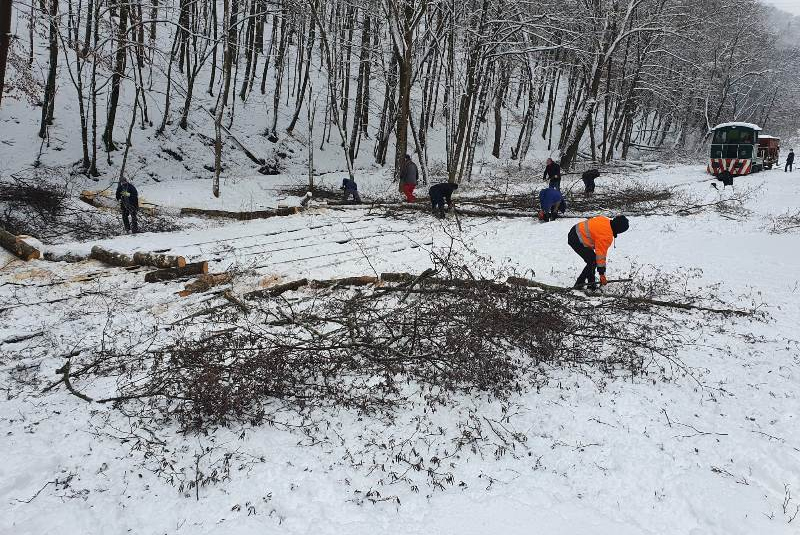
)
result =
(50, 88)
(116, 78)
(5, 41)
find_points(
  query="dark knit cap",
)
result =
(619, 224)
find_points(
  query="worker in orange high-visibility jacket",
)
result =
(591, 239)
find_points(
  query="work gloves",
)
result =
(603, 280)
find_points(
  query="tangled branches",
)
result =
(363, 348)
(633, 199)
(788, 222)
(42, 202)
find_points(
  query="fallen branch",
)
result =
(520, 281)
(235, 301)
(64, 371)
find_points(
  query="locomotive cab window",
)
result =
(733, 136)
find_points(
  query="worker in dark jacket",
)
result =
(550, 203)
(789, 161)
(552, 171)
(588, 178)
(591, 239)
(349, 187)
(128, 199)
(439, 194)
(409, 174)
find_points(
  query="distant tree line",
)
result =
(591, 79)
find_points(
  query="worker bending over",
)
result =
(591, 239)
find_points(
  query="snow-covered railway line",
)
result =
(233, 240)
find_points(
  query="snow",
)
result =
(602, 456)
(737, 125)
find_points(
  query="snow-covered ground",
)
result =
(713, 450)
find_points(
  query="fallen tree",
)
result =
(243, 216)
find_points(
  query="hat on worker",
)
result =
(619, 225)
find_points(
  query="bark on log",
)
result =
(205, 282)
(345, 281)
(168, 274)
(98, 201)
(18, 247)
(163, 261)
(63, 257)
(243, 216)
(397, 277)
(276, 290)
(111, 258)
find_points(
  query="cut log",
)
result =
(111, 258)
(164, 261)
(98, 200)
(243, 216)
(63, 257)
(168, 274)
(276, 290)
(397, 277)
(18, 247)
(345, 281)
(205, 282)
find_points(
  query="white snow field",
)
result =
(712, 449)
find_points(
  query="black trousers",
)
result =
(555, 183)
(552, 215)
(589, 184)
(437, 204)
(354, 193)
(588, 256)
(788, 166)
(129, 212)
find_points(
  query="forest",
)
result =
(591, 79)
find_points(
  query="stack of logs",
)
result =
(169, 268)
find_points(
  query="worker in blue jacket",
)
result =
(128, 199)
(349, 187)
(551, 202)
